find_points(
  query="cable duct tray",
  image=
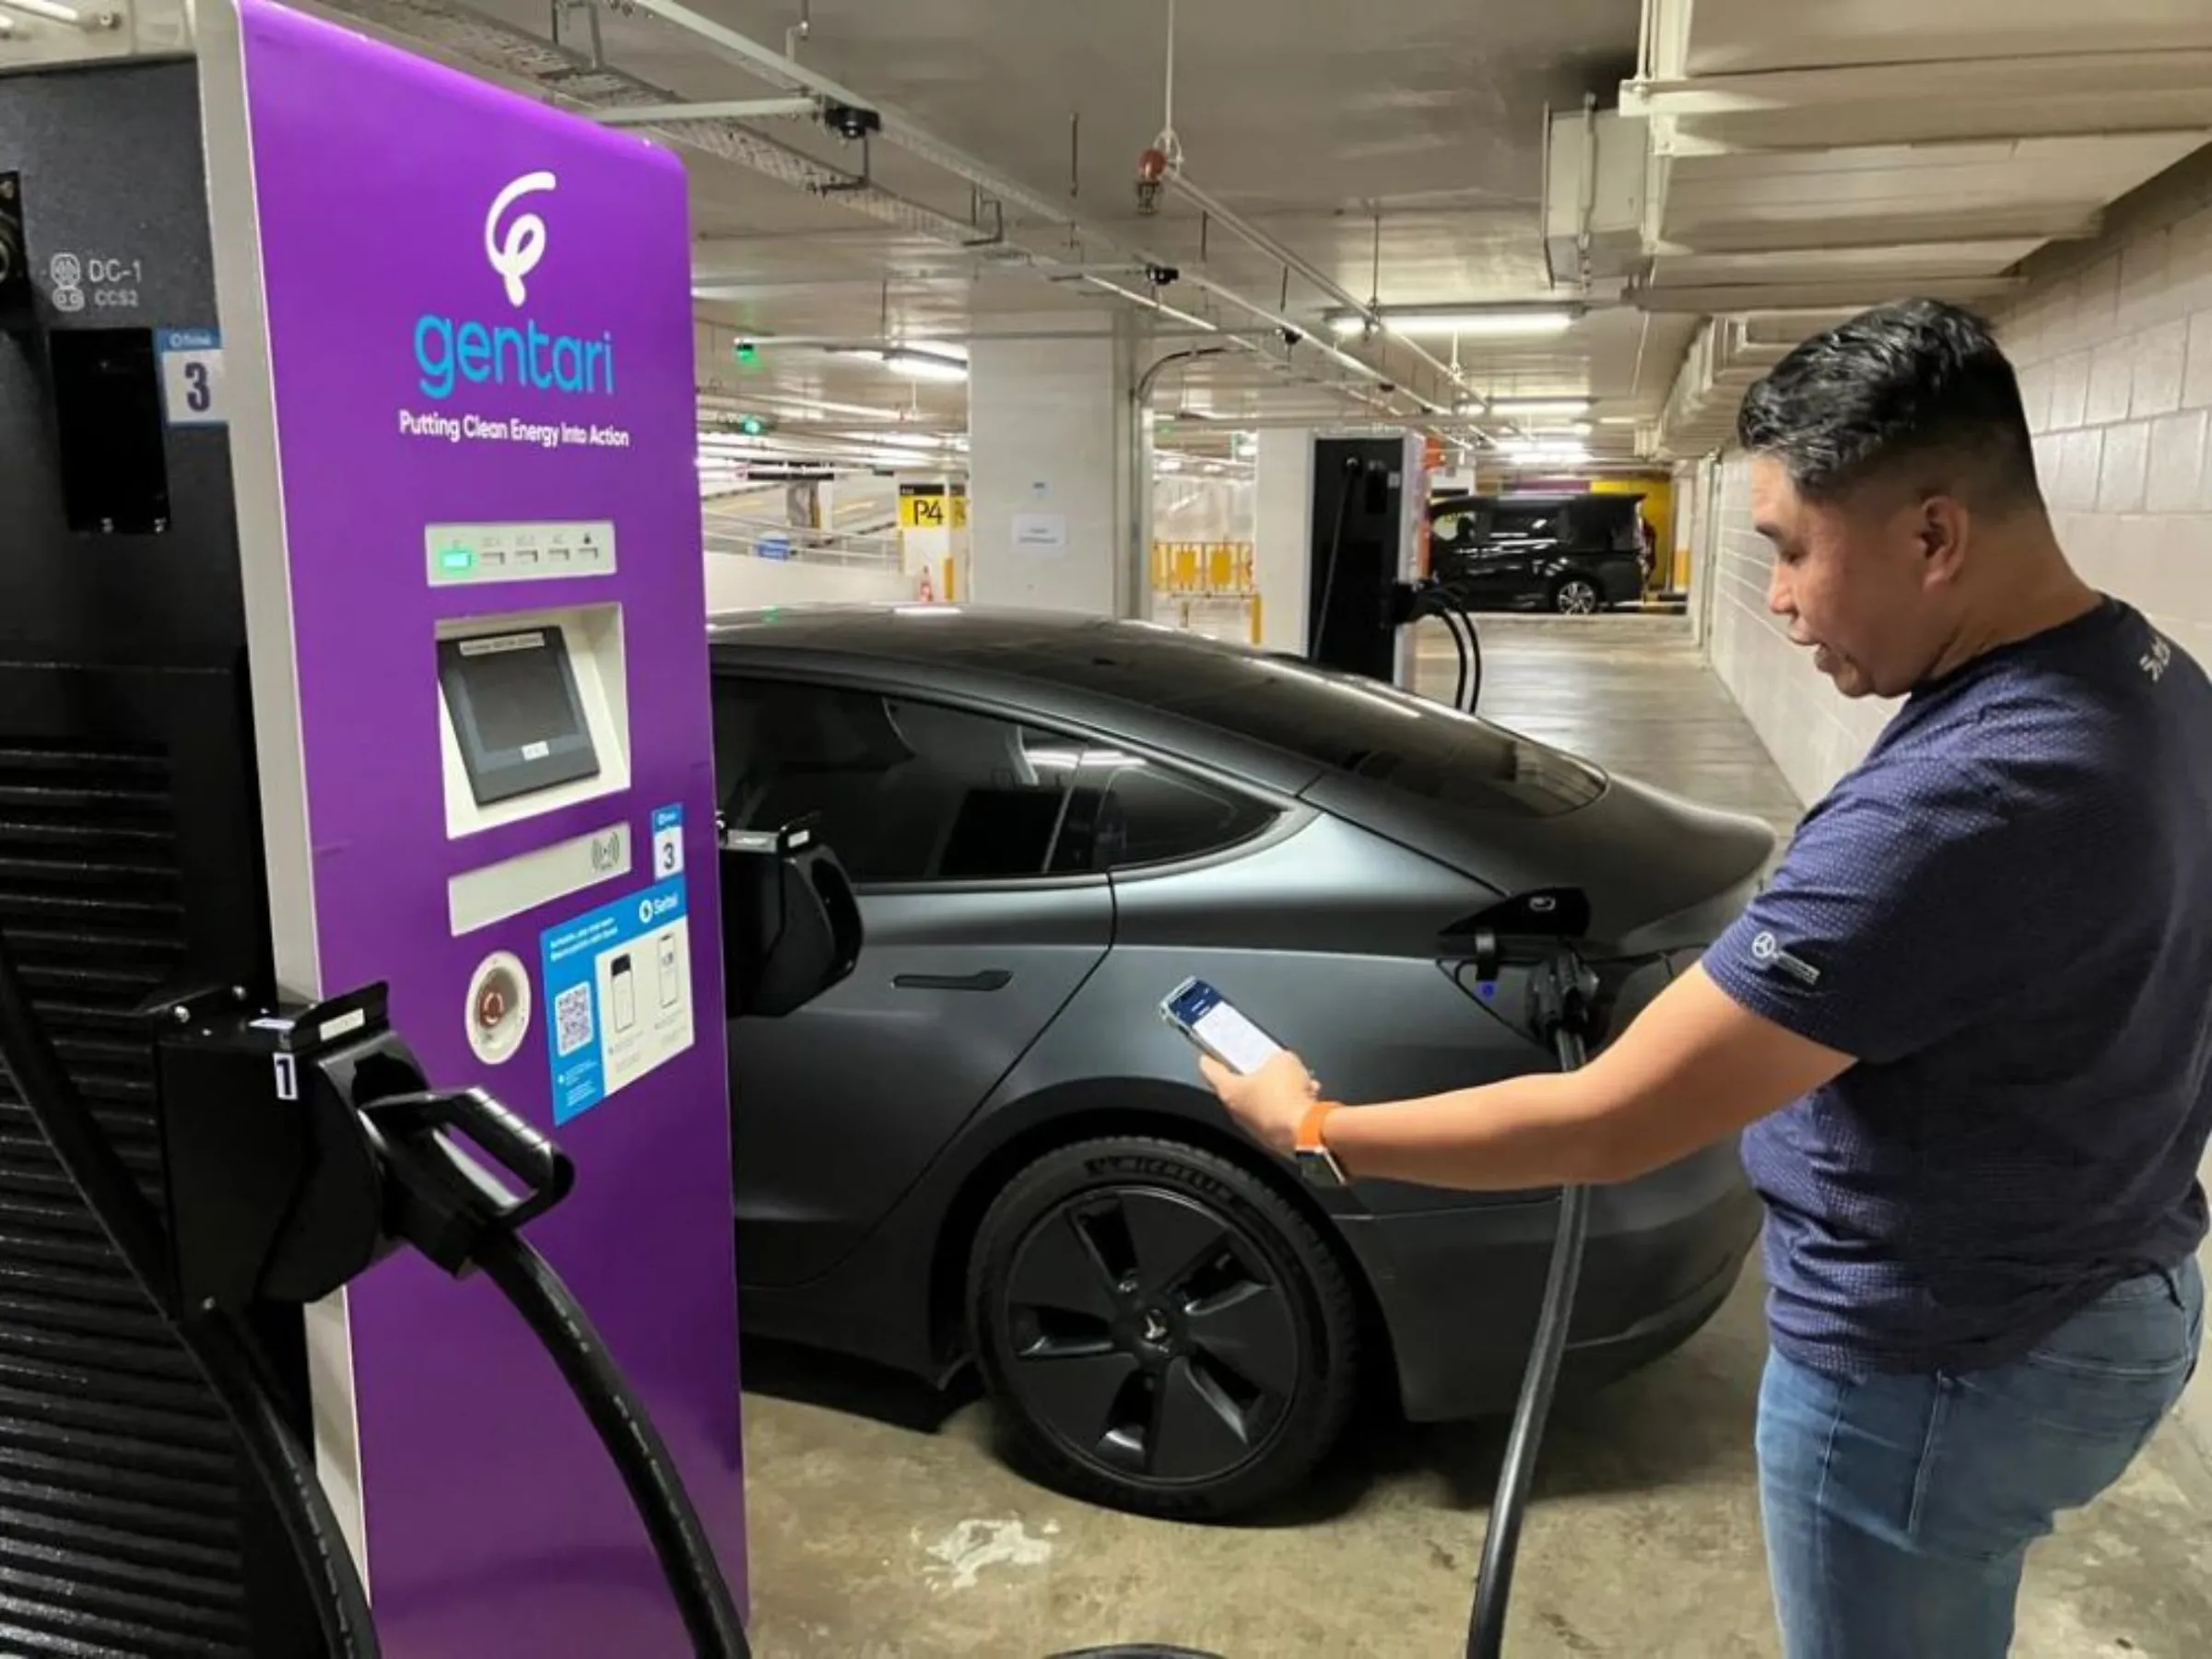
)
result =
(1596, 172)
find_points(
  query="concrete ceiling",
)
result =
(1781, 165)
(1806, 161)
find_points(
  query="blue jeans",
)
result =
(1898, 1509)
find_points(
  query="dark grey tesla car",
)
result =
(986, 1145)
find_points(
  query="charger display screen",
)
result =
(516, 713)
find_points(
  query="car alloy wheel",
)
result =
(1576, 596)
(1168, 1333)
(1150, 1334)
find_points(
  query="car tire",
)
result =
(1576, 596)
(1162, 1330)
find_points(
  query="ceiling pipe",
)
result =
(564, 76)
(741, 109)
(896, 127)
(1291, 259)
(1454, 427)
(901, 130)
(776, 67)
(967, 336)
(590, 84)
(1364, 369)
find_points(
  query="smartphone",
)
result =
(1217, 1026)
(626, 996)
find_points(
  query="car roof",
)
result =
(1274, 720)
(922, 633)
(1530, 498)
(1506, 809)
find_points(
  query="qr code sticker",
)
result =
(573, 1019)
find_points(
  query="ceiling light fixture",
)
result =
(918, 442)
(1562, 455)
(925, 365)
(936, 364)
(1432, 321)
(1539, 406)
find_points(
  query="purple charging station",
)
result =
(459, 377)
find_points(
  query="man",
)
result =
(1966, 1032)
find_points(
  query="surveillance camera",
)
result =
(849, 122)
(1289, 336)
(1385, 387)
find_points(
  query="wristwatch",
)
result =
(1315, 1161)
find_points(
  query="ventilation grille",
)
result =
(120, 1526)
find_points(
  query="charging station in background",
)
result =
(1365, 544)
(352, 630)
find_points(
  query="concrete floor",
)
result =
(884, 1524)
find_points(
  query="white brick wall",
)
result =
(1814, 735)
(2112, 340)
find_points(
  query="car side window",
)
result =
(1453, 529)
(1127, 810)
(1524, 521)
(903, 790)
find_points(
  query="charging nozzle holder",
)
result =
(791, 926)
(304, 1145)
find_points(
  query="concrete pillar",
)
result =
(1059, 467)
(1282, 535)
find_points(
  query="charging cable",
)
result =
(1563, 991)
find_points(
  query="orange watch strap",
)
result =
(1309, 1126)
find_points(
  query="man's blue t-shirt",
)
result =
(2005, 913)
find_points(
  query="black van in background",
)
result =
(1573, 554)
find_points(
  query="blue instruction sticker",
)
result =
(618, 983)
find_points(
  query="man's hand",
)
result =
(1271, 1102)
(1693, 1068)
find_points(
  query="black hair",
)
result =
(1915, 394)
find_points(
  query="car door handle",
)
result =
(987, 979)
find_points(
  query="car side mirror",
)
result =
(790, 924)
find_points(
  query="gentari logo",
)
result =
(449, 351)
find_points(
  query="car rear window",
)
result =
(1361, 727)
